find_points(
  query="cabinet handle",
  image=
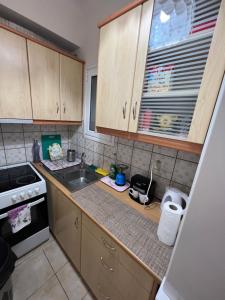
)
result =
(135, 110)
(124, 110)
(57, 109)
(101, 293)
(105, 265)
(76, 223)
(107, 245)
(64, 108)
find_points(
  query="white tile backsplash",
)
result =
(14, 156)
(177, 168)
(16, 147)
(12, 141)
(162, 165)
(124, 153)
(141, 159)
(12, 127)
(165, 151)
(184, 172)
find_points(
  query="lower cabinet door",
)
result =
(105, 275)
(68, 227)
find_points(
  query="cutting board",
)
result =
(46, 141)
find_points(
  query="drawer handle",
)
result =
(105, 265)
(57, 104)
(76, 223)
(124, 110)
(107, 245)
(135, 111)
(64, 108)
(101, 293)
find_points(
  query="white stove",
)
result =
(21, 184)
(18, 183)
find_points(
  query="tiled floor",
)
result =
(46, 274)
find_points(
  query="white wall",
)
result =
(75, 20)
(197, 268)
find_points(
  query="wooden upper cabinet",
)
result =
(71, 76)
(179, 68)
(44, 80)
(15, 101)
(116, 66)
(172, 88)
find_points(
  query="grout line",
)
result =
(62, 286)
(40, 287)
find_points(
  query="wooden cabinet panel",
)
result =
(100, 283)
(68, 227)
(137, 271)
(15, 101)
(44, 80)
(105, 265)
(116, 66)
(71, 76)
(65, 223)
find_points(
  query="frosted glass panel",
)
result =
(171, 22)
(179, 43)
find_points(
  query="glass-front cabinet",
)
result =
(179, 66)
(174, 59)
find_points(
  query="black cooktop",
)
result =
(17, 177)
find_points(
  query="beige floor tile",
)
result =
(30, 275)
(51, 290)
(88, 297)
(35, 251)
(71, 282)
(55, 256)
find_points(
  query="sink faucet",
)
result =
(82, 163)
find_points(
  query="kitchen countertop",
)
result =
(132, 226)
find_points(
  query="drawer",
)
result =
(99, 267)
(109, 244)
(129, 263)
(95, 270)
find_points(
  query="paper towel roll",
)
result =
(169, 223)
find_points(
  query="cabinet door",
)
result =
(116, 65)
(44, 80)
(175, 64)
(71, 74)
(15, 101)
(93, 266)
(68, 227)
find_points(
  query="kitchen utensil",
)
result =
(71, 155)
(176, 196)
(120, 176)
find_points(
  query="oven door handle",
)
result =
(5, 215)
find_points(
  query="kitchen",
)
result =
(134, 90)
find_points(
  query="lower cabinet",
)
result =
(65, 223)
(109, 271)
(102, 268)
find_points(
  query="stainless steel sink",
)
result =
(75, 178)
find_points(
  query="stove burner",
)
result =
(26, 179)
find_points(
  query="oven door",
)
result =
(39, 220)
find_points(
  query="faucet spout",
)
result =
(82, 163)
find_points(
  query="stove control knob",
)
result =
(14, 198)
(37, 190)
(30, 193)
(22, 195)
